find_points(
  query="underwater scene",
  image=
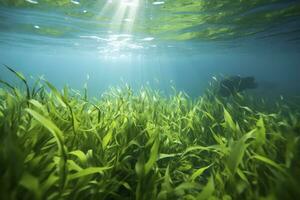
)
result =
(149, 99)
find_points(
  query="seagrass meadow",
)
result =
(60, 144)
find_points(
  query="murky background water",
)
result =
(160, 43)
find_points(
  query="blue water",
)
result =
(67, 49)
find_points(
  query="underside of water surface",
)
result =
(149, 99)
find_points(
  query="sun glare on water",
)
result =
(121, 27)
(118, 39)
